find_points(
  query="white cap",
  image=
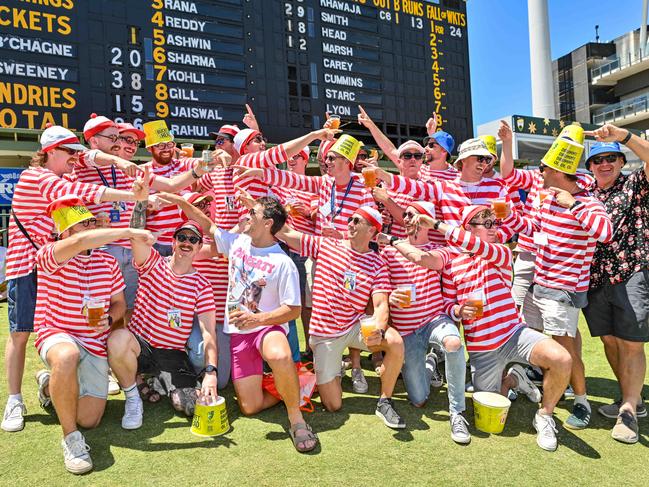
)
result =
(372, 215)
(243, 137)
(96, 124)
(410, 144)
(57, 136)
(424, 207)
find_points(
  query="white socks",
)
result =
(131, 392)
(583, 400)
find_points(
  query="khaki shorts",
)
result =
(553, 317)
(328, 352)
(309, 265)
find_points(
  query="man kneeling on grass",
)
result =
(74, 282)
(495, 335)
(263, 296)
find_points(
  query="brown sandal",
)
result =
(297, 439)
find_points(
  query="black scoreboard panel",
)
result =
(196, 63)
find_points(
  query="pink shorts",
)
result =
(245, 352)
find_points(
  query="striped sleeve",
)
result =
(288, 179)
(382, 281)
(149, 263)
(498, 254)
(449, 290)
(522, 179)
(205, 298)
(594, 220)
(264, 159)
(310, 245)
(418, 189)
(46, 261)
(205, 183)
(53, 187)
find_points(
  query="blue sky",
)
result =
(499, 45)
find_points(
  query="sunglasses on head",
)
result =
(165, 145)
(487, 224)
(67, 150)
(113, 138)
(409, 155)
(610, 158)
(193, 239)
(127, 139)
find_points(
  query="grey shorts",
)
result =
(328, 352)
(487, 367)
(620, 310)
(523, 276)
(124, 257)
(92, 371)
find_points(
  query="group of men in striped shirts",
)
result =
(421, 253)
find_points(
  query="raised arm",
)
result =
(379, 137)
(193, 213)
(290, 237)
(611, 133)
(506, 153)
(67, 248)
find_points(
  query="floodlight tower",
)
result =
(540, 59)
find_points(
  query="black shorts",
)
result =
(620, 310)
(171, 367)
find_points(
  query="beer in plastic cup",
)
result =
(335, 121)
(543, 194)
(368, 325)
(206, 156)
(232, 307)
(407, 289)
(475, 300)
(187, 150)
(290, 209)
(95, 309)
(369, 175)
(499, 206)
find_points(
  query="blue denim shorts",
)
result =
(21, 303)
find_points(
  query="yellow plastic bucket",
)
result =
(210, 420)
(490, 411)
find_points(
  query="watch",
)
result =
(575, 204)
(627, 138)
(194, 174)
(210, 368)
(437, 224)
(393, 239)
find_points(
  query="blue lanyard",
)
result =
(113, 174)
(332, 203)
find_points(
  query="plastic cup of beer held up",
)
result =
(334, 122)
(95, 311)
(368, 325)
(407, 290)
(206, 157)
(499, 207)
(187, 150)
(369, 176)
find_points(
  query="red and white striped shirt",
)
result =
(35, 190)
(167, 219)
(427, 174)
(268, 158)
(161, 294)
(447, 196)
(571, 234)
(531, 181)
(298, 222)
(343, 284)
(403, 200)
(61, 292)
(487, 268)
(226, 206)
(215, 270)
(426, 296)
(347, 198)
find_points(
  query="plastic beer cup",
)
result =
(475, 300)
(369, 175)
(499, 207)
(335, 121)
(368, 325)
(407, 289)
(206, 156)
(187, 150)
(95, 310)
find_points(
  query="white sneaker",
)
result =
(359, 383)
(459, 429)
(525, 385)
(75, 453)
(432, 372)
(13, 419)
(546, 430)
(113, 385)
(43, 380)
(133, 411)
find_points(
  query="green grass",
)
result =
(356, 448)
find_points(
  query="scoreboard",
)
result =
(196, 63)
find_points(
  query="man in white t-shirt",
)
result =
(263, 296)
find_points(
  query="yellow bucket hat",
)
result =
(573, 132)
(564, 155)
(348, 147)
(68, 211)
(490, 142)
(156, 132)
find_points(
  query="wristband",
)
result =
(194, 175)
(437, 224)
(393, 239)
(627, 138)
(575, 204)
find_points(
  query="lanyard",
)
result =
(332, 202)
(113, 174)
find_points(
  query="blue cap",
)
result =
(444, 139)
(603, 148)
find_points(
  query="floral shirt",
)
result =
(627, 203)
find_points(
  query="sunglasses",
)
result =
(221, 141)
(165, 145)
(362, 157)
(487, 224)
(331, 158)
(201, 205)
(432, 144)
(127, 139)
(89, 222)
(409, 155)
(542, 168)
(485, 159)
(67, 150)
(610, 158)
(355, 220)
(113, 138)
(193, 239)
(409, 214)
(258, 139)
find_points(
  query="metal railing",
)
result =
(622, 109)
(617, 62)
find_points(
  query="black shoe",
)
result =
(385, 410)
